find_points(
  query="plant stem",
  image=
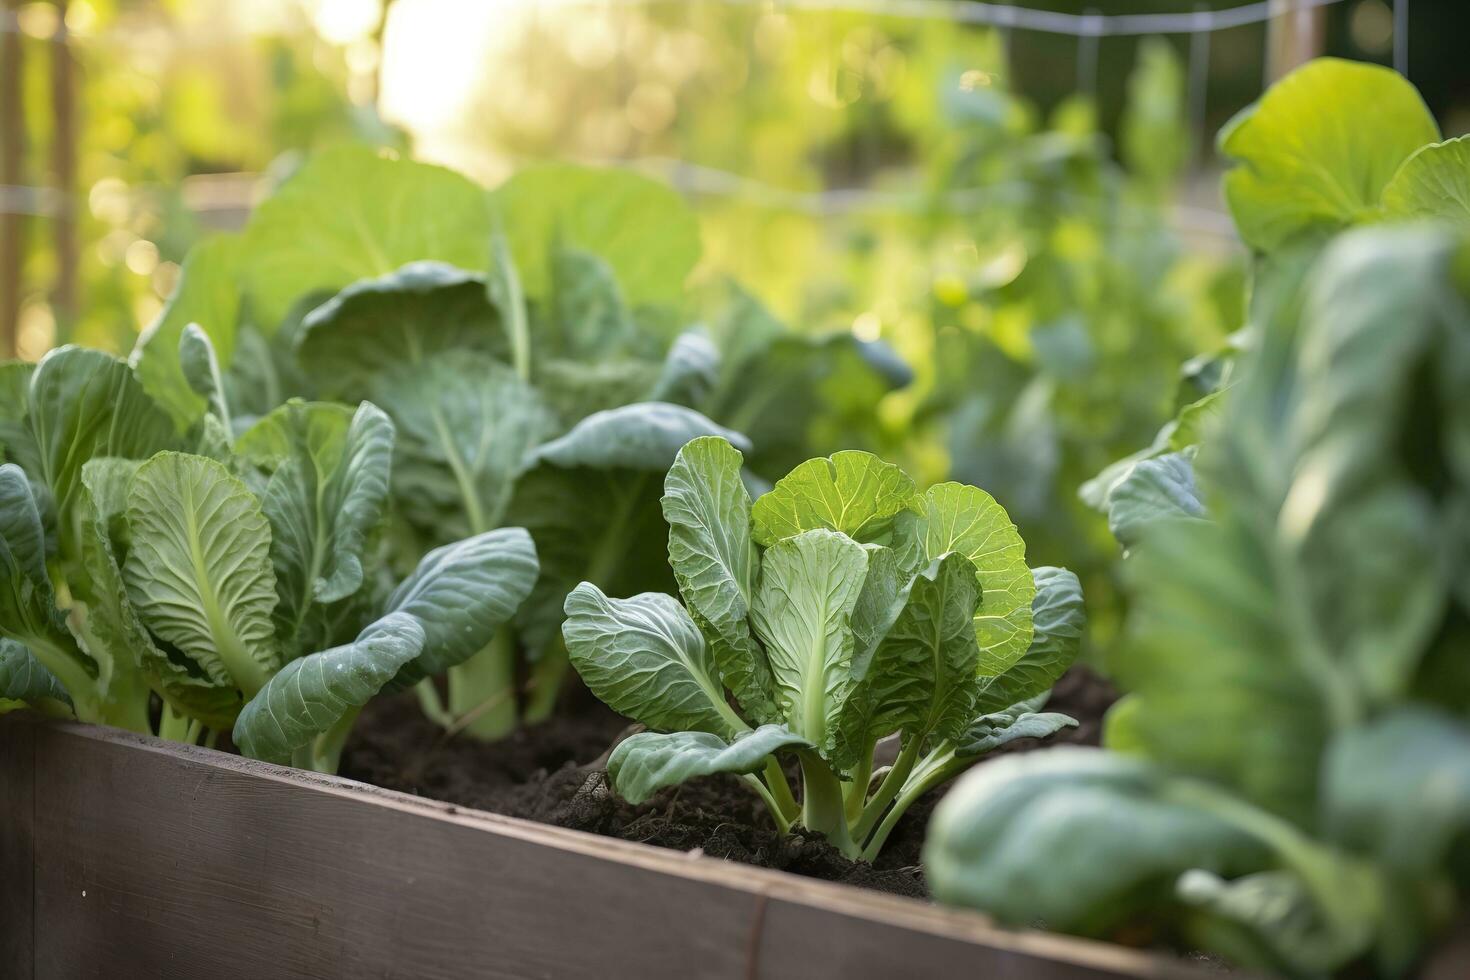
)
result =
(888, 789)
(485, 684)
(545, 682)
(431, 704)
(937, 767)
(822, 805)
(172, 725)
(857, 791)
(326, 748)
(191, 732)
(781, 790)
(782, 823)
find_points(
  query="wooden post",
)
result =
(12, 175)
(1293, 37)
(64, 167)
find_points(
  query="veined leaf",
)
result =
(328, 485)
(853, 492)
(25, 682)
(1057, 619)
(809, 585)
(311, 694)
(15, 383)
(968, 520)
(645, 658)
(199, 571)
(1161, 488)
(201, 370)
(690, 370)
(1022, 720)
(645, 436)
(645, 763)
(1434, 182)
(715, 563)
(587, 314)
(28, 612)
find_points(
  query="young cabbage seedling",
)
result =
(840, 608)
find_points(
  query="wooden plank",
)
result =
(165, 860)
(17, 844)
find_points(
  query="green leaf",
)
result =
(107, 622)
(1398, 789)
(207, 295)
(403, 317)
(312, 694)
(1318, 149)
(990, 731)
(588, 319)
(954, 517)
(1434, 182)
(350, 214)
(923, 678)
(645, 436)
(201, 370)
(84, 404)
(328, 486)
(855, 493)
(1157, 489)
(645, 763)
(639, 227)
(715, 563)
(1106, 829)
(466, 427)
(15, 383)
(28, 610)
(26, 683)
(199, 570)
(690, 371)
(645, 659)
(463, 592)
(808, 587)
(1057, 618)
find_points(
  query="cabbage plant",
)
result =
(840, 608)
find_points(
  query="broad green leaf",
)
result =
(588, 319)
(349, 214)
(808, 587)
(922, 679)
(84, 404)
(313, 693)
(199, 569)
(645, 658)
(645, 763)
(400, 318)
(1151, 490)
(15, 433)
(106, 621)
(1105, 827)
(853, 492)
(1319, 148)
(200, 365)
(326, 494)
(207, 295)
(715, 563)
(646, 436)
(466, 427)
(1398, 789)
(578, 389)
(1057, 620)
(639, 227)
(463, 592)
(954, 517)
(690, 371)
(1434, 182)
(990, 731)
(28, 612)
(26, 683)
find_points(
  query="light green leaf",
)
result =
(639, 227)
(201, 370)
(853, 492)
(691, 370)
(989, 732)
(808, 587)
(313, 693)
(715, 563)
(1434, 182)
(588, 320)
(466, 427)
(199, 570)
(954, 517)
(208, 295)
(645, 658)
(325, 497)
(28, 612)
(400, 318)
(645, 436)
(1057, 619)
(350, 214)
(26, 683)
(1319, 147)
(645, 763)
(1157, 489)
(15, 383)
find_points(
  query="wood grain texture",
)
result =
(17, 845)
(164, 860)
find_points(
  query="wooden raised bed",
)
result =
(127, 856)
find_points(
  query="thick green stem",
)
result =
(937, 767)
(889, 788)
(822, 808)
(547, 674)
(172, 725)
(431, 704)
(781, 790)
(482, 689)
(326, 749)
(857, 790)
(783, 824)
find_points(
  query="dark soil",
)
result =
(553, 773)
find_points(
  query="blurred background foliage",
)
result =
(1033, 227)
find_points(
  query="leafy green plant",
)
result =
(531, 347)
(1295, 733)
(841, 607)
(241, 581)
